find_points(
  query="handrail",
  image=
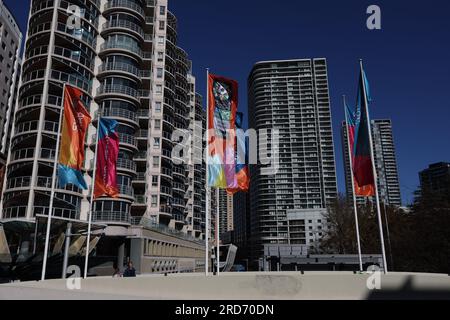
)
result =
(125, 4)
(124, 24)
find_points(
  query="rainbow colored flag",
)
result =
(107, 155)
(223, 102)
(74, 128)
(242, 172)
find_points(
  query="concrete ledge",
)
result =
(240, 286)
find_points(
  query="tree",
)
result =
(419, 237)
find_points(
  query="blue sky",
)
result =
(407, 62)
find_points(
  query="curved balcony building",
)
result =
(55, 54)
(123, 56)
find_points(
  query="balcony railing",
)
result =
(125, 4)
(29, 154)
(111, 44)
(140, 199)
(57, 212)
(125, 24)
(152, 225)
(33, 126)
(120, 113)
(126, 164)
(120, 89)
(126, 190)
(120, 66)
(80, 34)
(143, 113)
(111, 216)
(127, 139)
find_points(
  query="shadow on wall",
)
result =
(408, 292)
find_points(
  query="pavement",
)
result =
(238, 286)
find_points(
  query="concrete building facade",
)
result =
(293, 97)
(123, 55)
(10, 63)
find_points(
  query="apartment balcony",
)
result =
(123, 25)
(81, 34)
(165, 192)
(179, 219)
(112, 217)
(142, 135)
(106, 91)
(20, 212)
(125, 5)
(125, 69)
(140, 201)
(141, 156)
(27, 154)
(126, 165)
(122, 115)
(179, 187)
(143, 113)
(75, 56)
(141, 178)
(32, 126)
(114, 46)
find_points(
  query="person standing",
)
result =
(129, 272)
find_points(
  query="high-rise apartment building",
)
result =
(11, 42)
(123, 55)
(385, 162)
(436, 179)
(287, 206)
(226, 212)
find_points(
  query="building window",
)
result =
(157, 124)
(162, 25)
(155, 181)
(161, 40)
(155, 162)
(156, 143)
(160, 56)
(159, 73)
(154, 201)
(158, 107)
(158, 89)
(162, 10)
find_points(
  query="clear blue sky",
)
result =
(407, 62)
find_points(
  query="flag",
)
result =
(242, 172)
(362, 161)
(107, 155)
(350, 117)
(223, 101)
(75, 124)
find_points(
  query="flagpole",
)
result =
(355, 209)
(52, 194)
(94, 173)
(207, 189)
(375, 176)
(218, 230)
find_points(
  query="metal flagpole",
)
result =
(52, 194)
(218, 230)
(386, 221)
(355, 209)
(94, 173)
(375, 176)
(207, 189)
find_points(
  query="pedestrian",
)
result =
(129, 272)
(117, 273)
